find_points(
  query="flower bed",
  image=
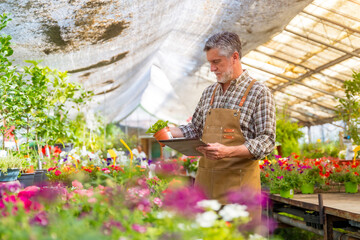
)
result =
(84, 200)
(291, 173)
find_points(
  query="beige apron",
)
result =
(217, 177)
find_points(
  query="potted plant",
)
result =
(160, 130)
(282, 178)
(308, 178)
(349, 176)
(26, 176)
(10, 166)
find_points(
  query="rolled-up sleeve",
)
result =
(195, 127)
(264, 118)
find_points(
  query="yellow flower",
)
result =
(318, 140)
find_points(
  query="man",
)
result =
(236, 117)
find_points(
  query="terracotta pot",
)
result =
(163, 134)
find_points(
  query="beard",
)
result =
(226, 76)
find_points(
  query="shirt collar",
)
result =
(244, 76)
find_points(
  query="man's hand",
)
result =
(214, 151)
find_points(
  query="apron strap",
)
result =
(213, 95)
(246, 93)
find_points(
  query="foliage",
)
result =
(279, 174)
(52, 96)
(348, 108)
(144, 208)
(310, 176)
(8, 75)
(295, 234)
(191, 164)
(11, 161)
(287, 134)
(346, 173)
(36, 99)
(99, 135)
(160, 124)
(319, 149)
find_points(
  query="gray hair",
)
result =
(226, 42)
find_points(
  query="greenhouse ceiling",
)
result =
(149, 53)
(306, 65)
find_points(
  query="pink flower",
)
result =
(77, 184)
(40, 219)
(81, 192)
(28, 192)
(89, 193)
(57, 172)
(158, 202)
(107, 171)
(139, 228)
(92, 200)
(184, 200)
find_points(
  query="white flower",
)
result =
(206, 219)
(63, 154)
(83, 151)
(256, 237)
(91, 155)
(209, 204)
(73, 151)
(164, 214)
(231, 211)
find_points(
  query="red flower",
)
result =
(57, 172)
(53, 168)
(356, 173)
(43, 149)
(57, 149)
(267, 175)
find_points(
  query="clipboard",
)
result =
(186, 146)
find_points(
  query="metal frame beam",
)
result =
(309, 101)
(298, 65)
(322, 43)
(337, 12)
(320, 68)
(332, 22)
(294, 80)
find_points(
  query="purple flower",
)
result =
(272, 169)
(139, 228)
(279, 177)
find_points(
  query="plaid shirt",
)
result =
(257, 115)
